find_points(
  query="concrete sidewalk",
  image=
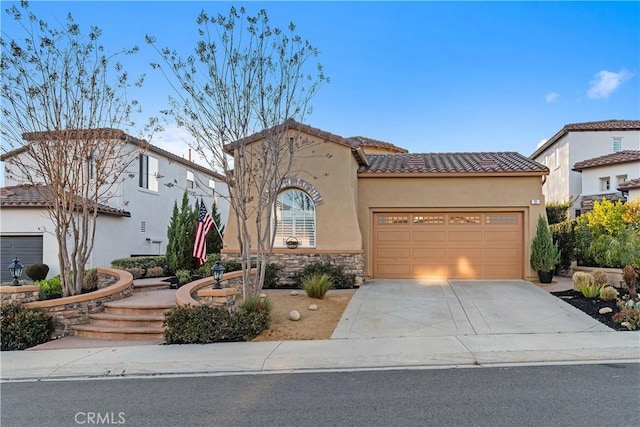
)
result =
(335, 354)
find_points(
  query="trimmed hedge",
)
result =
(144, 263)
(204, 324)
(24, 327)
(37, 271)
(564, 237)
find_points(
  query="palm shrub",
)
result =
(317, 285)
(37, 271)
(545, 254)
(23, 327)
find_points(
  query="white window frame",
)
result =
(616, 144)
(605, 183)
(190, 180)
(302, 227)
(148, 170)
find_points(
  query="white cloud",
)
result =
(551, 97)
(541, 143)
(606, 82)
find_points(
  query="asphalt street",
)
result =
(569, 395)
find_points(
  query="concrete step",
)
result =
(118, 333)
(121, 307)
(126, 320)
(150, 286)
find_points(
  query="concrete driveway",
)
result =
(436, 308)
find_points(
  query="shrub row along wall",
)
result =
(291, 262)
(75, 310)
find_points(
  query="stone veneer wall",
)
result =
(586, 202)
(293, 261)
(75, 310)
(19, 294)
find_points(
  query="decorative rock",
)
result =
(294, 293)
(605, 310)
(313, 307)
(263, 295)
(294, 315)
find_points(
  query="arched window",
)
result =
(296, 217)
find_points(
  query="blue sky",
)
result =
(427, 76)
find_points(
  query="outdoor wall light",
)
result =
(217, 271)
(15, 270)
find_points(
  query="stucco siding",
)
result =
(591, 178)
(331, 169)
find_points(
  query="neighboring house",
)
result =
(631, 188)
(381, 212)
(603, 176)
(578, 142)
(132, 222)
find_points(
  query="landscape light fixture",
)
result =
(217, 271)
(15, 270)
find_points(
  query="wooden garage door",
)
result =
(460, 245)
(28, 249)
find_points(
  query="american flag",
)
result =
(205, 222)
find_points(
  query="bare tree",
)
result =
(245, 77)
(63, 99)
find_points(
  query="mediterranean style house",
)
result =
(611, 176)
(381, 212)
(133, 221)
(578, 142)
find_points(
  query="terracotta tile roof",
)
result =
(114, 133)
(603, 125)
(629, 185)
(495, 163)
(35, 196)
(363, 141)
(624, 156)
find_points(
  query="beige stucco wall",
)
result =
(331, 169)
(377, 194)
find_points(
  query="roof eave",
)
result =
(388, 174)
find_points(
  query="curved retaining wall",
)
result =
(75, 310)
(184, 295)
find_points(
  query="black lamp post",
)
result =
(15, 270)
(217, 271)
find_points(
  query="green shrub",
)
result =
(144, 263)
(335, 272)
(599, 277)
(136, 272)
(564, 238)
(581, 278)
(23, 327)
(608, 293)
(155, 272)
(317, 285)
(183, 276)
(90, 282)
(50, 288)
(204, 324)
(271, 276)
(256, 303)
(558, 212)
(37, 271)
(590, 290)
(545, 254)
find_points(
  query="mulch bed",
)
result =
(592, 306)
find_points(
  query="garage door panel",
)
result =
(449, 245)
(393, 270)
(401, 237)
(403, 253)
(464, 236)
(421, 254)
(429, 236)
